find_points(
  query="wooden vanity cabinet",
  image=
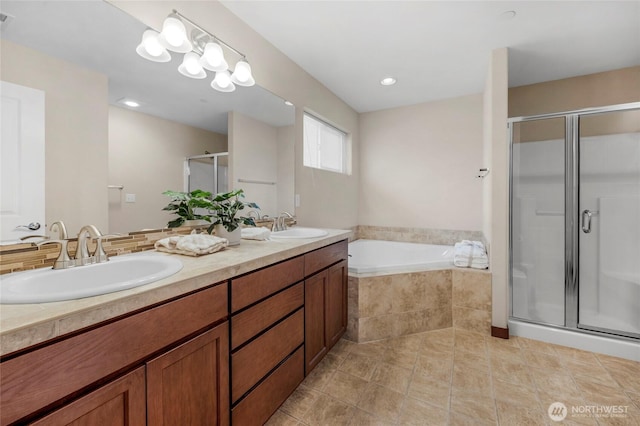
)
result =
(229, 353)
(121, 402)
(142, 352)
(190, 384)
(325, 300)
(267, 337)
(325, 304)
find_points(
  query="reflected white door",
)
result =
(22, 161)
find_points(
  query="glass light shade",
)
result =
(174, 35)
(151, 49)
(191, 67)
(213, 58)
(222, 82)
(242, 74)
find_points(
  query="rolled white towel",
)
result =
(191, 245)
(260, 234)
(470, 254)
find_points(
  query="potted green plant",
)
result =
(225, 207)
(184, 204)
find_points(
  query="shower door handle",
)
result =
(586, 221)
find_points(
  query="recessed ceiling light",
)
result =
(388, 81)
(129, 102)
(287, 103)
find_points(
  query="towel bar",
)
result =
(261, 182)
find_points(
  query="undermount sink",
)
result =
(119, 273)
(299, 233)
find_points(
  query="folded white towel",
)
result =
(470, 254)
(191, 245)
(260, 234)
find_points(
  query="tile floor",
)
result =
(456, 377)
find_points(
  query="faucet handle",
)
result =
(63, 261)
(100, 255)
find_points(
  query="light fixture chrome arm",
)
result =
(217, 39)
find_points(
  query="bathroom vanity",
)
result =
(224, 341)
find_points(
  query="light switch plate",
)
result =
(130, 198)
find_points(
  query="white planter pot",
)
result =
(232, 237)
(196, 222)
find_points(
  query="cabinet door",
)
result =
(336, 309)
(121, 402)
(315, 302)
(190, 384)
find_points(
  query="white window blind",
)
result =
(325, 147)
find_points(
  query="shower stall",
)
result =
(575, 221)
(209, 172)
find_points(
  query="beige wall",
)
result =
(605, 88)
(76, 111)
(286, 168)
(146, 155)
(326, 199)
(419, 165)
(496, 184)
(253, 155)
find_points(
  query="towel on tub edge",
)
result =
(191, 245)
(470, 254)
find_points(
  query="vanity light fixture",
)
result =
(223, 82)
(151, 49)
(191, 66)
(203, 51)
(288, 103)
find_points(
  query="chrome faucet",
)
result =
(82, 256)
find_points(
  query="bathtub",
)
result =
(377, 257)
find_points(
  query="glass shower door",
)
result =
(538, 220)
(609, 236)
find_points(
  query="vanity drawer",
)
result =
(257, 285)
(250, 364)
(46, 375)
(254, 320)
(325, 257)
(265, 399)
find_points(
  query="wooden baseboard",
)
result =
(502, 333)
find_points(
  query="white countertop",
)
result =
(22, 326)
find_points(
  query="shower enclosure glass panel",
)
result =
(538, 220)
(609, 289)
(208, 172)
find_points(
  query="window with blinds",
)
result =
(325, 147)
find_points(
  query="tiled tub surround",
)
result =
(415, 235)
(387, 306)
(22, 326)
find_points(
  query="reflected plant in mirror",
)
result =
(184, 204)
(226, 207)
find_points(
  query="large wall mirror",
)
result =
(107, 163)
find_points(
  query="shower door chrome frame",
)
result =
(187, 168)
(572, 217)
